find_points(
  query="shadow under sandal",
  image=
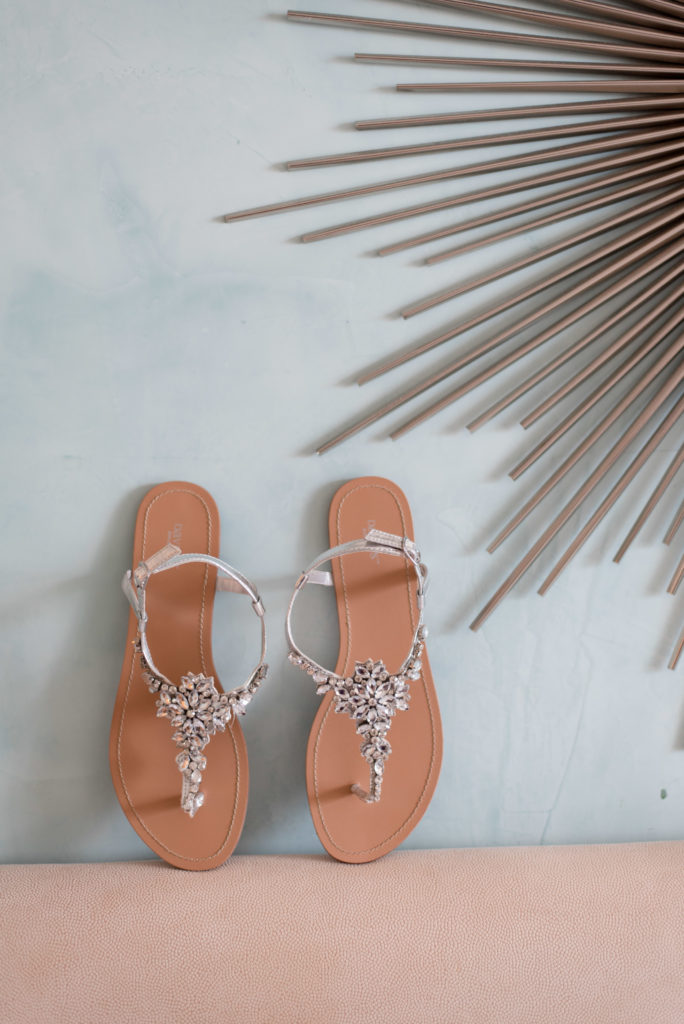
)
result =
(181, 775)
(375, 747)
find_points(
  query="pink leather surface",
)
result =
(508, 936)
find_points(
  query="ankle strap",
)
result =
(375, 541)
(134, 585)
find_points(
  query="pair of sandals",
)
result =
(182, 776)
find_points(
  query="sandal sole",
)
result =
(142, 751)
(377, 614)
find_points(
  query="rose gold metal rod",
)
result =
(668, 6)
(576, 314)
(578, 498)
(613, 142)
(671, 381)
(565, 389)
(637, 210)
(606, 199)
(523, 350)
(674, 525)
(551, 198)
(495, 139)
(673, 585)
(663, 484)
(607, 353)
(669, 35)
(469, 357)
(629, 157)
(513, 113)
(586, 340)
(614, 494)
(676, 654)
(614, 378)
(506, 64)
(631, 256)
(641, 17)
(667, 55)
(673, 9)
(658, 25)
(660, 5)
(636, 85)
(485, 375)
(556, 396)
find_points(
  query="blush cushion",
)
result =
(564, 935)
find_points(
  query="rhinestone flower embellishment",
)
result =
(197, 711)
(371, 697)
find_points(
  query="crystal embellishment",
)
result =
(371, 697)
(197, 711)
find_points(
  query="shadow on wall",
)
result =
(63, 801)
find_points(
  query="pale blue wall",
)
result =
(143, 342)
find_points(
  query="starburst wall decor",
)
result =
(628, 166)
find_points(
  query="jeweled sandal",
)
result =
(379, 716)
(181, 775)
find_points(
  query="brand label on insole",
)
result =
(174, 535)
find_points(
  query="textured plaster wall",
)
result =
(143, 342)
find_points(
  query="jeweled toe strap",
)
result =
(372, 695)
(194, 707)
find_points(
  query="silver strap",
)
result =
(134, 585)
(375, 541)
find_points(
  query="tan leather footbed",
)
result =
(142, 751)
(378, 615)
